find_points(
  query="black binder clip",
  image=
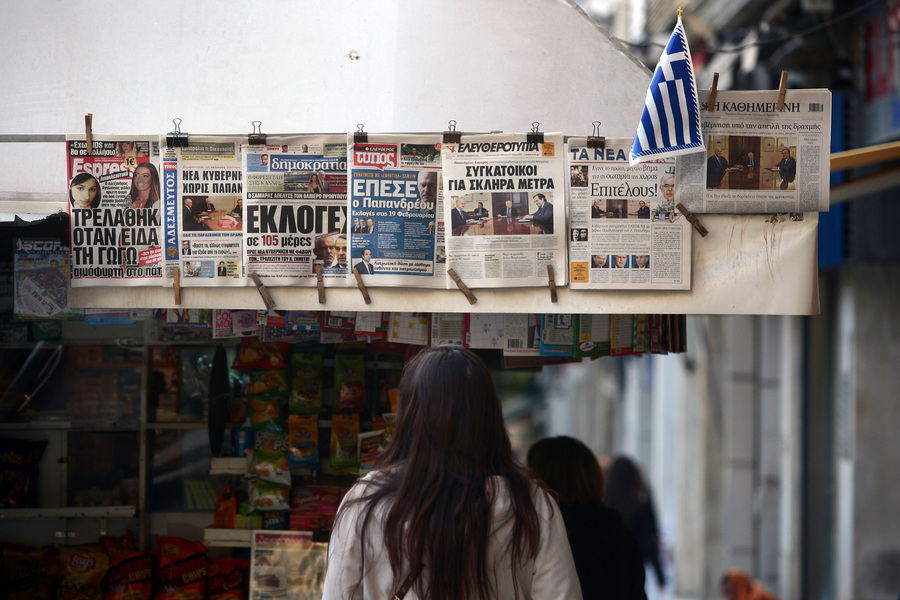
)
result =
(452, 136)
(596, 140)
(360, 136)
(535, 137)
(176, 139)
(257, 137)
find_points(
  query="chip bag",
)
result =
(130, 576)
(81, 572)
(183, 569)
(228, 579)
(349, 383)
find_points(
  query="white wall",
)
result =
(220, 64)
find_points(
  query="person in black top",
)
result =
(627, 492)
(607, 557)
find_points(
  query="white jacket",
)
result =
(549, 575)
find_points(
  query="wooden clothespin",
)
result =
(320, 283)
(692, 219)
(361, 286)
(782, 90)
(177, 285)
(266, 296)
(596, 140)
(711, 105)
(462, 286)
(553, 297)
(88, 125)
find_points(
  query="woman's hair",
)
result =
(121, 151)
(433, 479)
(569, 468)
(625, 488)
(309, 186)
(154, 185)
(81, 178)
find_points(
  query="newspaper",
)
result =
(295, 210)
(760, 160)
(624, 230)
(505, 209)
(114, 199)
(286, 565)
(41, 273)
(396, 210)
(203, 212)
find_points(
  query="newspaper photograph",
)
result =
(114, 210)
(757, 159)
(624, 229)
(295, 210)
(396, 210)
(505, 209)
(203, 212)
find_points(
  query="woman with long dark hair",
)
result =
(84, 191)
(448, 512)
(144, 186)
(607, 557)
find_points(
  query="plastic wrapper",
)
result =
(81, 572)
(183, 569)
(29, 573)
(349, 383)
(344, 442)
(270, 466)
(268, 497)
(225, 511)
(264, 412)
(19, 460)
(264, 382)
(306, 383)
(303, 438)
(228, 579)
(261, 355)
(130, 576)
(371, 446)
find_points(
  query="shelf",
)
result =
(232, 538)
(112, 426)
(228, 466)
(175, 425)
(86, 512)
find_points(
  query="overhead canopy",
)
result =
(325, 67)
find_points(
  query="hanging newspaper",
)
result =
(495, 239)
(624, 230)
(396, 210)
(203, 212)
(41, 272)
(114, 212)
(760, 160)
(295, 209)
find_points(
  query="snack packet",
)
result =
(344, 442)
(306, 383)
(349, 383)
(183, 569)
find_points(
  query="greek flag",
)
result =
(670, 124)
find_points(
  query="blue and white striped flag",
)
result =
(670, 124)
